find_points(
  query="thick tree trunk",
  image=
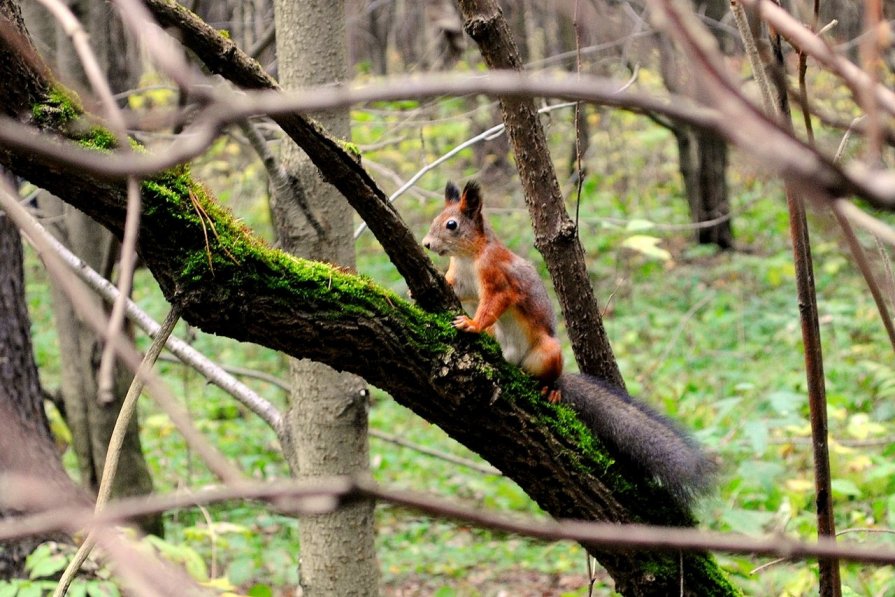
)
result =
(26, 446)
(328, 410)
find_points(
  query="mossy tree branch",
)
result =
(339, 166)
(235, 286)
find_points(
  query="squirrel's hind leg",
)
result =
(544, 361)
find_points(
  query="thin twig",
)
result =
(857, 251)
(492, 133)
(843, 143)
(579, 182)
(887, 263)
(386, 437)
(830, 581)
(758, 72)
(866, 270)
(43, 241)
(263, 42)
(869, 50)
(73, 28)
(282, 185)
(464, 462)
(116, 441)
(873, 225)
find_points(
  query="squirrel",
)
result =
(510, 302)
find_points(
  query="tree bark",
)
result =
(311, 310)
(327, 415)
(703, 166)
(26, 446)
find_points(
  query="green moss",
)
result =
(231, 250)
(719, 579)
(60, 108)
(351, 148)
(225, 33)
(98, 138)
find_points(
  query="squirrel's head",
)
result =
(459, 230)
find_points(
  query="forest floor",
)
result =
(521, 583)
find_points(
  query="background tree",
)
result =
(26, 446)
(328, 409)
(702, 155)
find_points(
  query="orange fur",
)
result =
(512, 303)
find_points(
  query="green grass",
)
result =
(711, 339)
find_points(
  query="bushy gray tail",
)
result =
(648, 440)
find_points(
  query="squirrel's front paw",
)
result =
(465, 324)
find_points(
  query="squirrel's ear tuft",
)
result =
(451, 192)
(471, 201)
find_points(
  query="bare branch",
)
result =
(805, 41)
(732, 116)
(491, 133)
(302, 496)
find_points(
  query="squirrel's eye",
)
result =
(451, 224)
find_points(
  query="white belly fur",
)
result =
(512, 338)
